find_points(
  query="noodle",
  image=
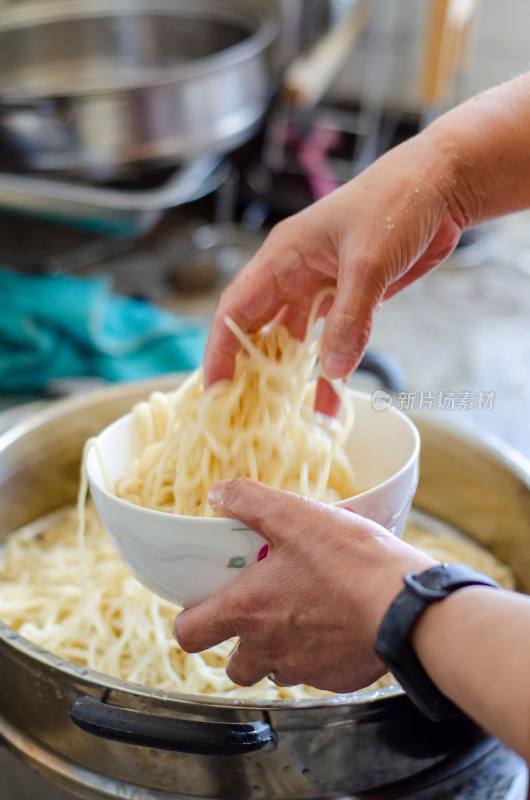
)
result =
(451, 546)
(261, 425)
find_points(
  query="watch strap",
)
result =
(393, 644)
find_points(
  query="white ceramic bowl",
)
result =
(188, 559)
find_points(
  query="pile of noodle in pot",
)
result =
(123, 630)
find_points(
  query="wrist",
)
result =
(396, 644)
(482, 147)
(439, 176)
(455, 172)
(388, 581)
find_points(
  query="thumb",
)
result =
(349, 323)
(265, 510)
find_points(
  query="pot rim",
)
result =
(474, 435)
(261, 30)
(101, 681)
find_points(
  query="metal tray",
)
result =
(121, 212)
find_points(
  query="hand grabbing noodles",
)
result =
(384, 229)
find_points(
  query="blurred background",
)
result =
(146, 148)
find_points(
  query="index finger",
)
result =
(251, 301)
(199, 628)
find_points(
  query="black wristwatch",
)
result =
(393, 640)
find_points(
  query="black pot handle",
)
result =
(385, 367)
(168, 733)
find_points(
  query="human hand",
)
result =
(368, 239)
(310, 611)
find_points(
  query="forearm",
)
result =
(475, 645)
(483, 149)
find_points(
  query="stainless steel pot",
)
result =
(164, 745)
(98, 88)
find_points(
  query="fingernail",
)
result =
(216, 495)
(335, 366)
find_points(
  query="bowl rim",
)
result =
(214, 521)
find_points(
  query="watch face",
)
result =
(445, 578)
(435, 578)
(430, 585)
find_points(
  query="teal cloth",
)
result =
(69, 326)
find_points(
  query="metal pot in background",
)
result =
(98, 89)
(172, 744)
